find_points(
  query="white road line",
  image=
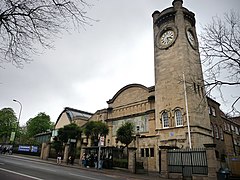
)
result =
(32, 177)
(83, 176)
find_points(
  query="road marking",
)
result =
(83, 176)
(32, 177)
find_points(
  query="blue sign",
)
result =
(34, 149)
(28, 148)
(24, 148)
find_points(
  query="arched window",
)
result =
(216, 131)
(178, 118)
(165, 120)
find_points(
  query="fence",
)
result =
(188, 161)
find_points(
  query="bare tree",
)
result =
(220, 47)
(26, 24)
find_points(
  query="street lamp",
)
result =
(19, 112)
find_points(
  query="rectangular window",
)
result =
(142, 152)
(236, 130)
(147, 152)
(221, 133)
(151, 152)
(232, 128)
(216, 131)
(212, 130)
(235, 141)
(194, 87)
(198, 88)
(213, 111)
(225, 126)
(209, 110)
(228, 126)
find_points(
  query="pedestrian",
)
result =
(69, 159)
(10, 150)
(4, 150)
(84, 160)
(59, 158)
(100, 163)
(72, 160)
(88, 160)
(95, 161)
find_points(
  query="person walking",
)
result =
(84, 160)
(72, 159)
(69, 159)
(59, 158)
(100, 163)
(95, 161)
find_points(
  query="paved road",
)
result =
(29, 167)
(12, 168)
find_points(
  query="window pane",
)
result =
(236, 129)
(235, 141)
(165, 119)
(221, 133)
(209, 110)
(178, 117)
(216, 131)
(213, 111)
(152, 152)
(142, 152)
(225, 126)
(147, 152)
(212, 130)
(228, 126)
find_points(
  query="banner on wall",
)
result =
(27, 148)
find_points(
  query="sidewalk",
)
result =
(114, 172)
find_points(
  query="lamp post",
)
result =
(19, 112)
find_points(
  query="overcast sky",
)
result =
(87, 68)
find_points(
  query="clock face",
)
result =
(190, 38)
(167, 38)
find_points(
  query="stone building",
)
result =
(225, 132)
(173, 112)
(226, 136)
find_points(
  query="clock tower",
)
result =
(181, 111)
